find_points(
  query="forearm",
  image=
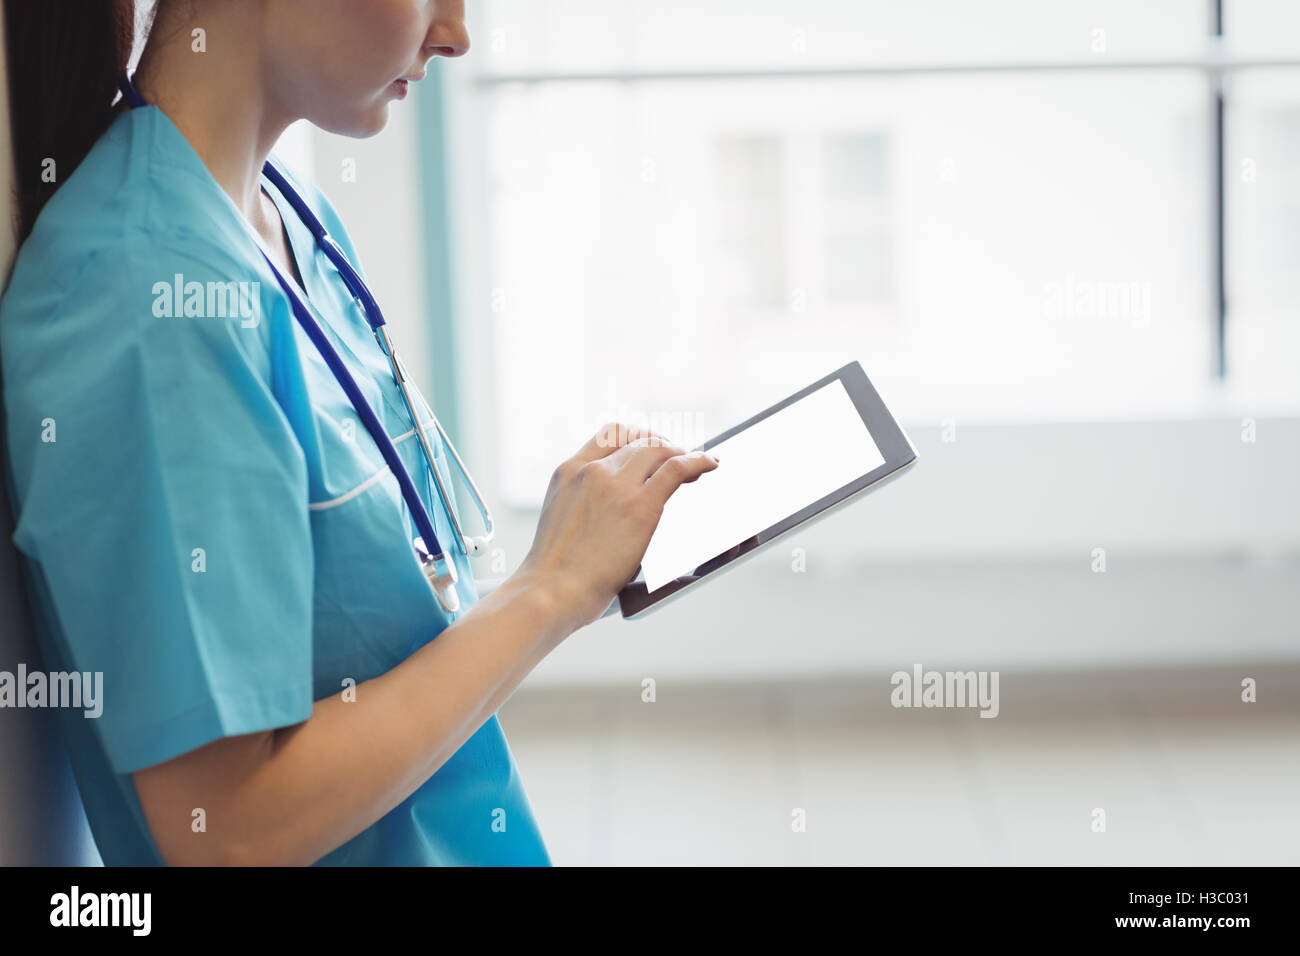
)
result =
(310, 788)
(486, 586)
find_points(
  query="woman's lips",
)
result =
(402, 85)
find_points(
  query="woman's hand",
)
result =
(601, 508)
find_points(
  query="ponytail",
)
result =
(64, 61)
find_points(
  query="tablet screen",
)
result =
(766, 473)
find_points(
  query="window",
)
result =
(750, 221)
(857, 251)
(1004, 211)
(1262, 176)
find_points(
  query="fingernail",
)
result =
(715, 458)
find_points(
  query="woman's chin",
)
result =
(361, 124)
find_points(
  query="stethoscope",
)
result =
(427, 548)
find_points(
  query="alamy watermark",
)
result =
(129, 910)
(1077, 298)
(208, 300)
(683, 428)
(75, 689)
(946, 689)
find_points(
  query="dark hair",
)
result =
(64, 60)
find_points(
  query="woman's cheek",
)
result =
(397, 27)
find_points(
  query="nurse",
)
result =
(201, 518)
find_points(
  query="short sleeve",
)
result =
(162, 495)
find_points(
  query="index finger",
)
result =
(678, 470)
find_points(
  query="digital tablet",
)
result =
(785, 467)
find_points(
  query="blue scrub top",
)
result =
(203, 518)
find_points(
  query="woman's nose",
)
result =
(448, 36)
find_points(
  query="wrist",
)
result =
(550, 596)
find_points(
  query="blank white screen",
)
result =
(766, 473)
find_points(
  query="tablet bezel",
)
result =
(635, 601)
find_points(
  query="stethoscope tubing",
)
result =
(433, 551)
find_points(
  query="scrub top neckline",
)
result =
(295, 253)
(303, 250)
(196, 167)
(302, 260)
(303, 246)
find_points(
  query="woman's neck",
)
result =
(218, 99)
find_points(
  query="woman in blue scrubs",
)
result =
(201, 518)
